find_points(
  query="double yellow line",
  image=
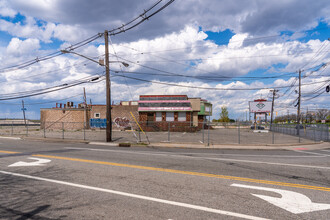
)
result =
(181, 172)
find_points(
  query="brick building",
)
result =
(68, 116)
(174, 112)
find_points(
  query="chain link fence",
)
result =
(176, 132)
(316, 132)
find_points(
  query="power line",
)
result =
(212, 88)
(114, 31)
(206, 77)
(41, 103)
(219, 43)
(49, 90)
(49, 56)
(15, 80)
(143, 17)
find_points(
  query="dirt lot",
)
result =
(213, 136)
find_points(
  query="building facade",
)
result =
(89, 116)
(172, 112)
(151, 112)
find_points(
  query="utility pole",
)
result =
(108, 89)
(273, 99)
(299, 101)
(23, 109)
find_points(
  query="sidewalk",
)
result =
(295, 146)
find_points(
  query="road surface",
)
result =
(42, 180)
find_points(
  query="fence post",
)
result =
(314, 134)
(139, 135)
(299, 133)
(239, 133)
(169, 127)
(203, 130)
(12, 129)
(208, 134)
(84, 130)
(273, 133)
(44, 129)
(27, 128)
(62, 130)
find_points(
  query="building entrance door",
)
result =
(150, 118)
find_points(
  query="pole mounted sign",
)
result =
(260, 106)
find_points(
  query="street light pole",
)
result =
(108, 84)
(108, 89)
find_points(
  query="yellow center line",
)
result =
(189, 173)
(8, 152)
(181, 172)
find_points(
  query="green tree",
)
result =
(224, 115)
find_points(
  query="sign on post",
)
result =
(260, 106)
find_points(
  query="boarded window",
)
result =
(158, 116)
(169, 116)
(182, 116)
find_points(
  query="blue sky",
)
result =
(242, 44)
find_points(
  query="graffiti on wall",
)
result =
(121, 122)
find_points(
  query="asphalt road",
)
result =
(40, 180)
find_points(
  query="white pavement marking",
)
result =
(177, 153)
(38, 162)
(210, 158)
(180, 204)
(307, 152)
(291, 201)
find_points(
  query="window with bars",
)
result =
(158, 116)
(182, 116)
(169, 116)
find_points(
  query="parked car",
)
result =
(258, 127)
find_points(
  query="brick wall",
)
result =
(101, 109)
(121, 114)
(62, 118)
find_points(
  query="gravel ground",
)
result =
(214, 136)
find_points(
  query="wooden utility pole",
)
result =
(108, 89)
(273, 99)
(299, 101)
(23, 109)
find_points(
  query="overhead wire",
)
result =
(20, 79)
(72, 47)
(214, 76)
(212, 88)
(224, 42)
(40, 103)
(121, 70)
(10, 96)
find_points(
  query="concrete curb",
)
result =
(12, 138)
(55, 140)
(104, 144)
(307, 146)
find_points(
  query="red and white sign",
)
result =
(260, 106)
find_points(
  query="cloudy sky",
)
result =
(228, 52)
